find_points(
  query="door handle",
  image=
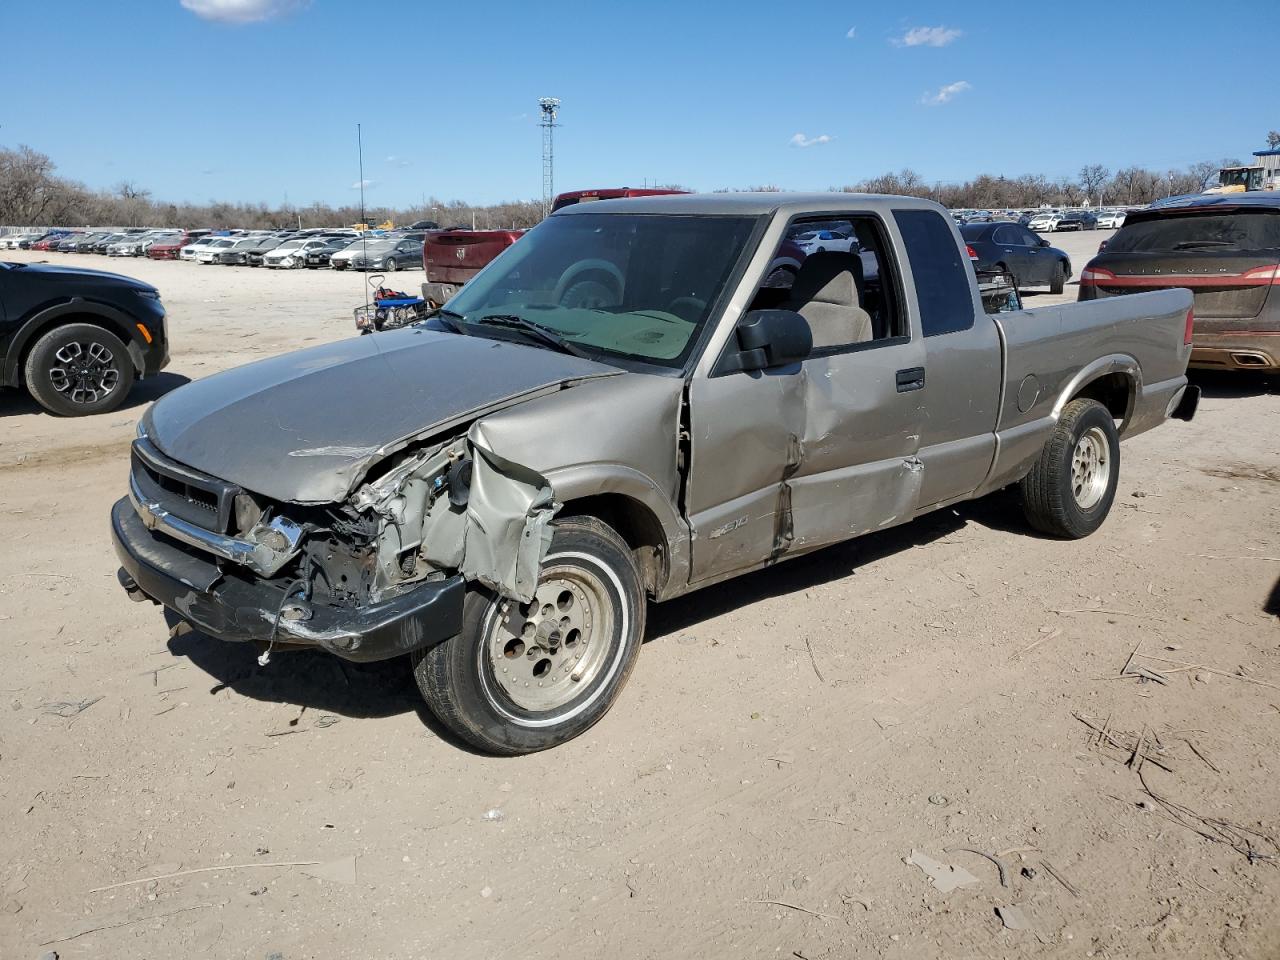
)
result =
(910, 379)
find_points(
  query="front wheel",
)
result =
(391, 265)
(1069, 491)
(79, 369)
(522, 677)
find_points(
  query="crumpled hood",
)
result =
(305, 427)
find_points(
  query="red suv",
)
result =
(612, 193)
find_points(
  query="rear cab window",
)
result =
(942, 279)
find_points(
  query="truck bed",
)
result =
(1050, 352)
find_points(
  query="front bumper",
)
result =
(437, 294)
(227, 606)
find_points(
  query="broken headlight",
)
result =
(248, 511)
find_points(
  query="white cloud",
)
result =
(800, 140)
(363, 183)
(945, 94)
(928, 37)
(242, 11)
(852, 33)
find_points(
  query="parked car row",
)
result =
(339, 248)
(1048, 220)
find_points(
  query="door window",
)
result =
(837, 273)
(1008, 236)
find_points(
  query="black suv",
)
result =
(77, 339)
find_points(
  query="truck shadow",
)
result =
(1234, 385)
(323, 683)
(313, 681)
(15, 403)
(793, 576)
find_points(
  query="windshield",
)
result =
(1248, 177)
(1238, 231)
(374, 246)
(290, 245)
(636, 285)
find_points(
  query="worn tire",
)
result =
(1052, 491)
(51, 357)
(458, 679)
(1059, 281)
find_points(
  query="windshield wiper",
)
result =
(1192, 244)
(535, 331)
(450, 320)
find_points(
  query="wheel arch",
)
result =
(637, 524)
(60, 315)
(632, 504)
(1112, 381)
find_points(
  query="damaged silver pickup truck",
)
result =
(633, 402)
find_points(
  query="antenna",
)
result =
(550, 107)
(364, 234)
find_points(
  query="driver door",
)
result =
(788, 459)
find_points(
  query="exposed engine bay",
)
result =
(447, 508)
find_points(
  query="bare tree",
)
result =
(1202, 173)
(1273, 139)
(1092, 177)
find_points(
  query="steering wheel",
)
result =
(687, 308)
(589, 293)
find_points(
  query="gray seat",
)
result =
(825, 293)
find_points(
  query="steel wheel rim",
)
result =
(84, 372)
(1090, 468)
(544, 654)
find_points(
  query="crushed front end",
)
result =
(380, 574)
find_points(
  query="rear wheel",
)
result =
(523, 677)
(1069, 491)
(79, 369)
(1058, 282)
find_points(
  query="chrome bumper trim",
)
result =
(262, 558)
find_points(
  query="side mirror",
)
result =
(1044, 242)
(773, 338)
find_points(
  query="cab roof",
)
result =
(749, 204)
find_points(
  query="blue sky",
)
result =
(198, 100)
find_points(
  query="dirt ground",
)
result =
(785, 744)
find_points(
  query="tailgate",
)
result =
(456, 256)
(1225, 286)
